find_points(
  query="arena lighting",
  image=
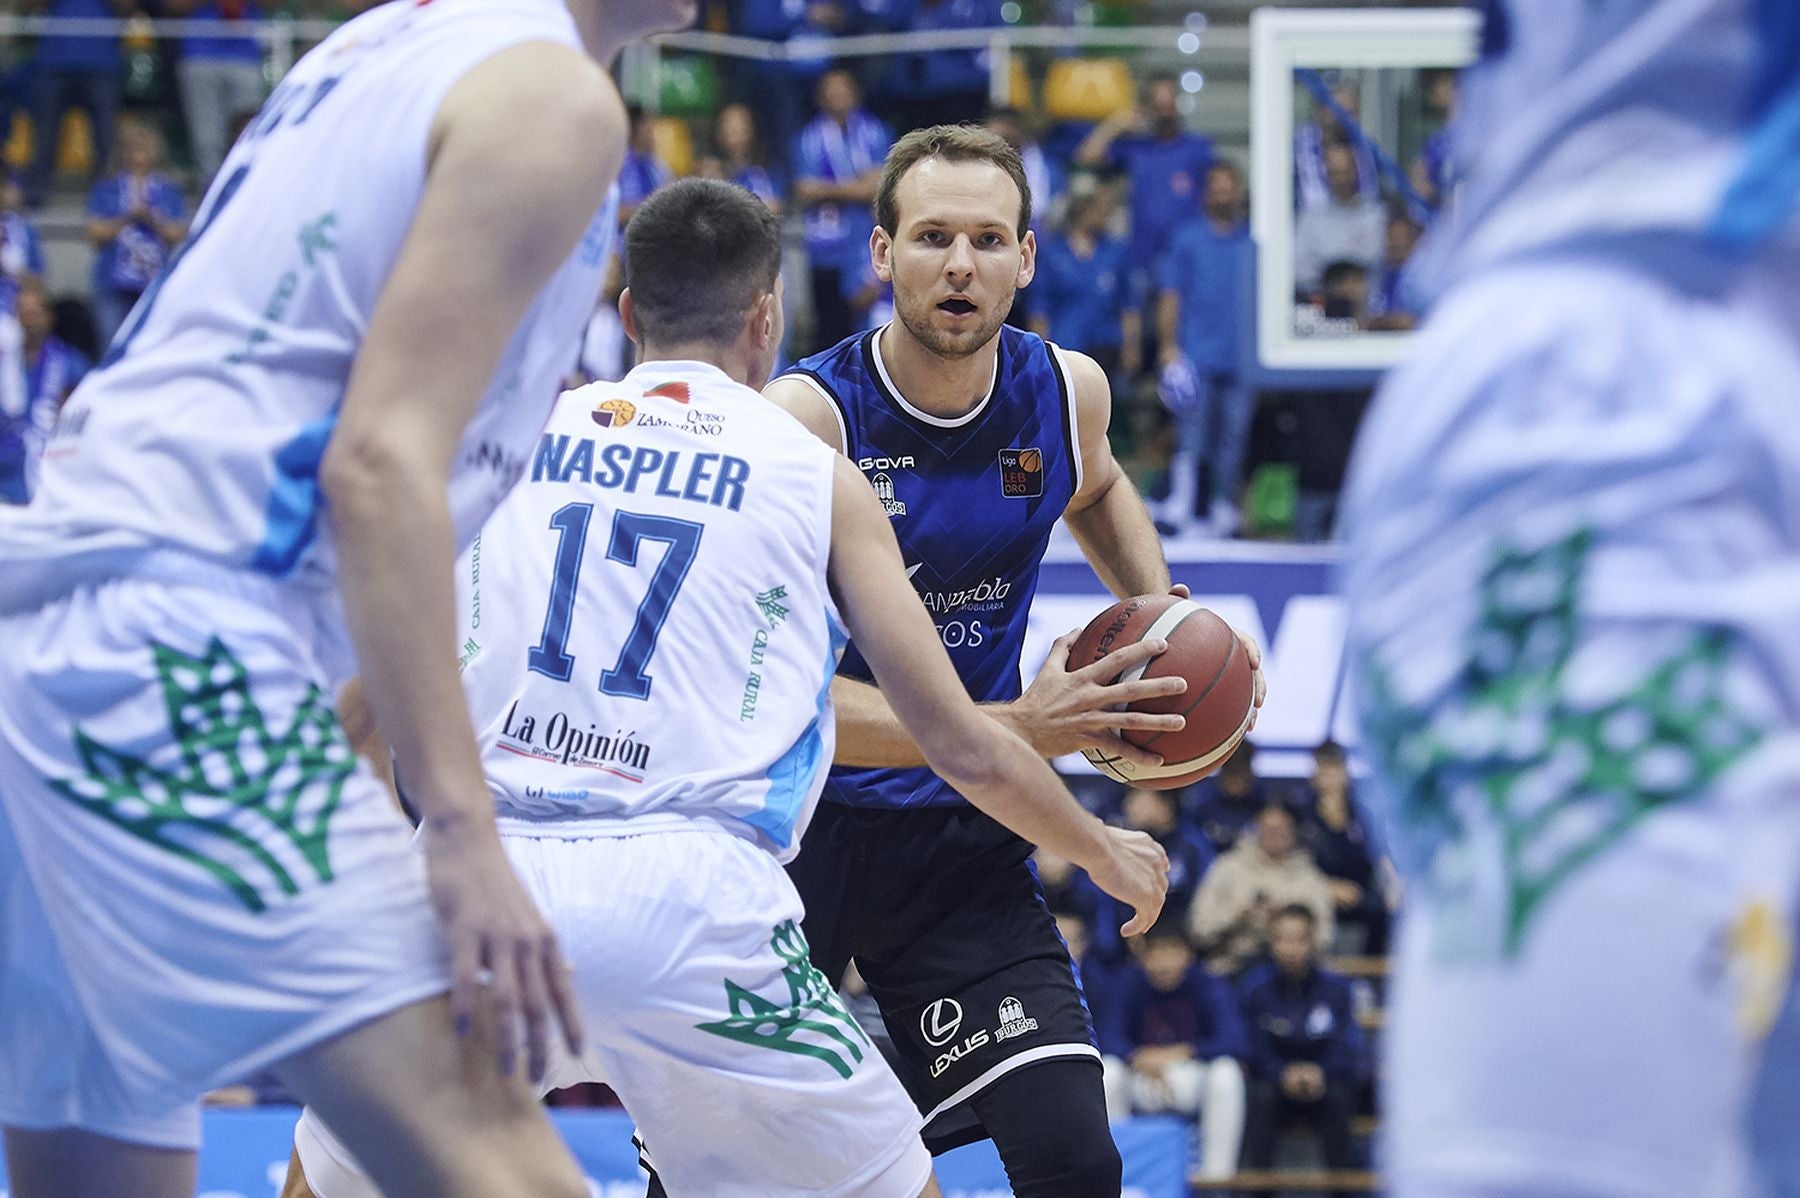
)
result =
(1188, 42)
(1192, 81)
(1010, 12)
(1195, 21)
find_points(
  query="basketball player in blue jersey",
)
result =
(1573, 577)
(976, 438)
(261, 490)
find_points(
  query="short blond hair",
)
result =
(952, 143)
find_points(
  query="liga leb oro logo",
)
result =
(614, 413)
(1021, 473)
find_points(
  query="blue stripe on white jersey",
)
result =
(972, 501)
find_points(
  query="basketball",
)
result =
(1220, 687)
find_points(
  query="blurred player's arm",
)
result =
(499, 162)
(987, 763)
(1062, 712)
(1108, 516)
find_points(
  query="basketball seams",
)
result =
(1230, 657)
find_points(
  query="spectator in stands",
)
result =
(1351, 228)
(1430, 171)
(39, 372)
(1014, 127)
(1190, 853)
(869, 300)
(52, 365)
(1344, 294)
(1333, 830)
(1312, 188)
(1244, 889)
(1225, 804)
(21, 245)
(937, 87)
(1197, 318)
(737, 156)
(135, 217)
(1307, 1052)
(1167, 166)
(836, 170)
(1390, 307)
(643, 170)
(24, 426)
(1079, 291)
(778, 89)
(1045, 179)
(1173, 1041)
(73, 71)
(221, 77)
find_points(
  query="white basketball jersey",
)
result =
(1661, 132)
(204, 426)
(648, 637)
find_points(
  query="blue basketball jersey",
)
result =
(972, 501)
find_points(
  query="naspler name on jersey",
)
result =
(711, 478)
(972, 501)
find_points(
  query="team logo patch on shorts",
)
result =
(1021, 473)
(1013, 1020)
(813, 1022)
(244, 804)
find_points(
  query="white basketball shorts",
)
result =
(746, 1076)
(197, 876)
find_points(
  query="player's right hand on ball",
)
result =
(1065, 711)
(1135, 871)
(503, 955)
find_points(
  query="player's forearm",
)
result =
(869, 734)
(398, 598)
(1003, 777)
(1118, 537)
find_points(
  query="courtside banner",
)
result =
(246, 1156)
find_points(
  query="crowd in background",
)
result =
(1229, 1009)
(1143, 245)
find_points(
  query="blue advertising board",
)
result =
(246, 1156)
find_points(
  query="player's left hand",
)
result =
(1134, 870)
(1252, 649)
(503, 953)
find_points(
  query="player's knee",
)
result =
(1089, 1167)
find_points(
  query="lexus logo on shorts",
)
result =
(940, 1021)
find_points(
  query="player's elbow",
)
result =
(365, 475)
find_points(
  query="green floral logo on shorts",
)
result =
(242, 803)
(1556, 780)
(812, 1023)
